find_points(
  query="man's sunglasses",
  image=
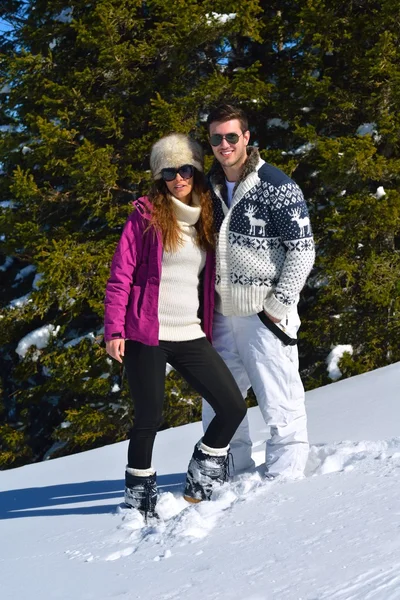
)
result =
(185, 171)
(231, 138)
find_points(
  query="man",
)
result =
(265, 252)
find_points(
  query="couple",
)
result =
(247, 241)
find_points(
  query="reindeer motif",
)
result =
(254, 223)
(302, 222)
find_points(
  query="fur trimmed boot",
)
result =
(141, 490)
(208, 468)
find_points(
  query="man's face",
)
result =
(229, 154)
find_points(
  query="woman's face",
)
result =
(181, 188)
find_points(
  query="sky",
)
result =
(335, 535)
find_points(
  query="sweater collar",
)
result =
(187, 215)
(217, 175)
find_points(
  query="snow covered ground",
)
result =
(332, 536)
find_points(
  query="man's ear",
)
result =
(246, 137)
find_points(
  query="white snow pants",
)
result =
(258, 359)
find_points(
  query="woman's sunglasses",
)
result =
(231, 138)
(185, 171)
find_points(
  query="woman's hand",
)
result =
(116, 349)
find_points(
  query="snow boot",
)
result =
(208, 468)
(141, 490)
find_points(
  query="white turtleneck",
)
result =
(178, 302)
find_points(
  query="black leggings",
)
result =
(202, 367)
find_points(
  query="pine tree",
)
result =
(355, 195)
(85, 91)
(332, 123)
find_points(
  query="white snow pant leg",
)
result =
(224, 343)
(272, 369)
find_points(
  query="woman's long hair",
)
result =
(164, 219)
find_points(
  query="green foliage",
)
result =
(181, 405)
(85, 89)
(88, 427)
(14, 449)
(341, 69)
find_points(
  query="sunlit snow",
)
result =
(331, 536)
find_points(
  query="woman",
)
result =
(152, 307)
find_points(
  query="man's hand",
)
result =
(116, 349)
(273, 319)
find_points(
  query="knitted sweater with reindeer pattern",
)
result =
(265, 248)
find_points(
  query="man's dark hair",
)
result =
(227, 112)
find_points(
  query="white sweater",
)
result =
(179, 298)
(265, 248)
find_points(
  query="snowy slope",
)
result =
(334, 535)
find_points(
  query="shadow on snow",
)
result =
(55, 500)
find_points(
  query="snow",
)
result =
(65, 16)
(20, 302)
(7, 264)
(380, 192)
(318, 280)
(369, 129)
(89, 336)
(23, 300)
(54, 448)
(220, 18)
(39, 337)
(333, 360)
(331, 536)
(36, 281)
(303, 149)
(25, 272)
(277, 123)
(5, 89)
(366, 129)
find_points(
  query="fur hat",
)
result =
(175, 150)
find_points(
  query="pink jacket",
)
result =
(131, 302)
